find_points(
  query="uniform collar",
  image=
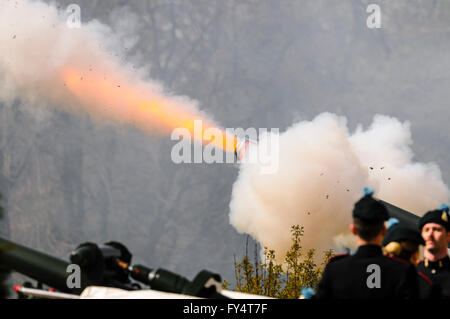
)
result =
(369, 250)
(441, 263)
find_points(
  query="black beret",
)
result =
(437, 216)
(370, 209)
(399, 233)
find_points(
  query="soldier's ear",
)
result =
(384, 230)
(353, 229)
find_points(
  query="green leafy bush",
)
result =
(268, 278)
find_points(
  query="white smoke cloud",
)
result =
(38, 48)
(385, 147)
(35, 42)
(322, 171)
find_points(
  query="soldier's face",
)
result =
(435, 236)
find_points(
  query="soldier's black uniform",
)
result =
(399, 233)
(346, 276)
(351, 276)
(427, 290)
(438, 271)
(434, 268)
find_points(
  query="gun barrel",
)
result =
(44, 268)
(402, 215)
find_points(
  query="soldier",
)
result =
(403, 242)
(368, 273)
(435, 229)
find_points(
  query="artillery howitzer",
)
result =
(108, 265)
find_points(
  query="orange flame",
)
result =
(104, 96)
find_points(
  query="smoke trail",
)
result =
(322, 170)
(44, 62)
